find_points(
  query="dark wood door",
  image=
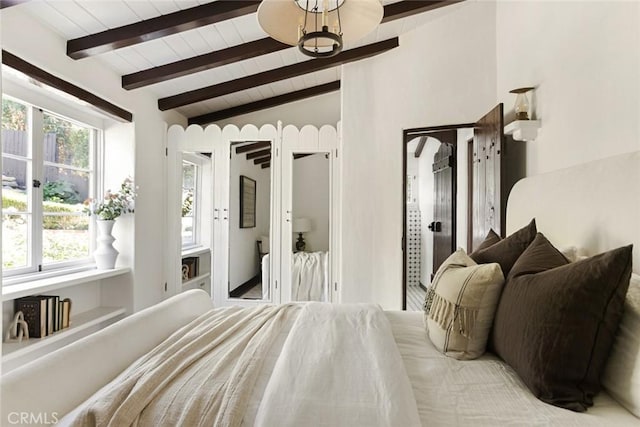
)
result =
(498, 163)
(444, 209)
(487, 200)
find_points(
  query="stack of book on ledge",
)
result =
(44, 314)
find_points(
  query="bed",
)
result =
(309, 276)
(438, 390)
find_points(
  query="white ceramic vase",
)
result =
(105, 254)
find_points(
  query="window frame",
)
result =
(198, 161)
(36, 171)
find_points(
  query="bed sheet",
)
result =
(449, 392)
(485, 391)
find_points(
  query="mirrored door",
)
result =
(307, 228)
(249, 220)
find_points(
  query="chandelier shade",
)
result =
(319, 27)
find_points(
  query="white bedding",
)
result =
(300, 376)
(485, 391)
(449, 392)
(202, 375)
(339, 366)
(309, 276)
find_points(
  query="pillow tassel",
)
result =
(466, 320)
(447, 314)
(442, 311)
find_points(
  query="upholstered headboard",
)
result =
(594, 206)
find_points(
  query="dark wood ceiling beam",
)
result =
(9, 3)
(420, 147)
(253, 49)
(252, 147)
(48, 79)
(402, 9)
(201, 63)
(275, 75)
(161, 26)
(262, 160)
(265, 103)
(256, 154)
(265, 165)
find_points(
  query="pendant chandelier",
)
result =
(319, 28)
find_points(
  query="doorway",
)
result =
(430, 210)
(490, 164)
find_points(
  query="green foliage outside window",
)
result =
(187, 203)
(72, 141)
(14, 115)
(61, 192)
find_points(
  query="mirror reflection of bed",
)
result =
(310, 237)
(310, 226)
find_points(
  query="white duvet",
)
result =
(309, 276)
(339, 366)
(326, 365)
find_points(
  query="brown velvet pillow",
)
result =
(491, 239)
(556, 321)
(506, 251)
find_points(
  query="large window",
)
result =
(47, 172)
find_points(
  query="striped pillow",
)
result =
(460, 305)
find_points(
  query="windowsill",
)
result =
(189, 282)
(42, 285)
(194, 251)
(81, 322)
(46, 274)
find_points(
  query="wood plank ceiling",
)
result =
(210, 60)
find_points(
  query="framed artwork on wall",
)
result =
(247, 202)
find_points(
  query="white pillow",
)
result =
(570, 252)
(460, 305)
(573, 253)
(622, 374)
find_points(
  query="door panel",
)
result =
(306, 155)
(487, 164)
(443, 227)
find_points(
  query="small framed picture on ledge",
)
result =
(247, 202)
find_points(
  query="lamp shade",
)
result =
(301, 225)
(281, 19)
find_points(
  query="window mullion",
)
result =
(197, 213)
(37, 156)
(96, 184)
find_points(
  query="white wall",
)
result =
(132, 149)
(311, 200)
(584, 59)
(443, 72)
(243, 252)
(318, 111)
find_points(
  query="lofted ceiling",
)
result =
(210, 60)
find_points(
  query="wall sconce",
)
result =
(522, 129)
(522, 102)
(301, 225)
